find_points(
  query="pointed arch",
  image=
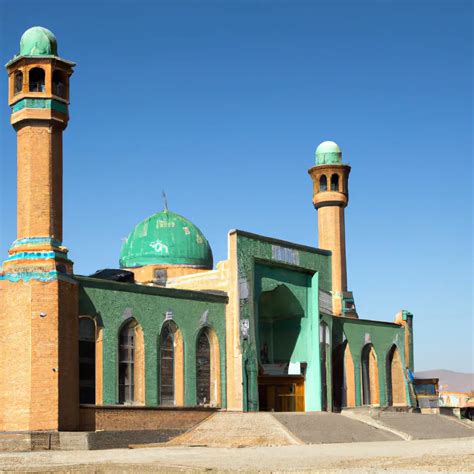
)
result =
(131, 363)
(370, 376)
(335, 182)
(208, 371)
(349, 378)
(396, 395)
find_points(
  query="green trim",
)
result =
(52, 104)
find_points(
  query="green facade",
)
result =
(382, 336)
(114, 303)
(290, 278)
(269, 265)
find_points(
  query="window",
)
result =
(86, 360)
(159, 277)
(127, 363)
(37, 80)
(203, 370)
(18, 82)
(335, 182)
(59, 84)
(323, 183)
(167, 365)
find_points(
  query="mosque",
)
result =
(273, 327)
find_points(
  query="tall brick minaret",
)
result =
(38, 296)
(330, 197)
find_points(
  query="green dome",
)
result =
(328, 153)
(166, 238)
(38, 41)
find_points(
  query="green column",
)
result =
(151, 368)
(358, 399)
(109, 364)
(382, 380)
(313, 398)
(190, 398)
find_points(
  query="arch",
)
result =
(18, 82)
(171, 365)
(343, 380)
(325, 355)
(335, 182)
(349, 377)
(396, 395)
(60, 83)
(370, 376)
(87, 360)
(208, 373)
(36, 79)
(131, 362)
(323, 183)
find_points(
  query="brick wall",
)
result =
(110, 418)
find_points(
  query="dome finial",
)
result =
(165, 201)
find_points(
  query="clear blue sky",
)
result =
(222, 104)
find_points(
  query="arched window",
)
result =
(87, 342)
(127, 363)
(370, 376)
(18, 82)
(59, 84)
(203, 370)
(325, 355)
(335, 182)
(36, 80)
(323, 183)
(167, 365)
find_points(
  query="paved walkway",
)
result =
(419, 426)
(451, 455)
(314, 428)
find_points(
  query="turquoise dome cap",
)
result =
(166, 238)
(38, 41)
(328, 153)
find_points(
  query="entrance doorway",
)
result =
(281, 380)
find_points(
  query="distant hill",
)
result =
(449, 380)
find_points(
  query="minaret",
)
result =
(38, 297)
(330, 197)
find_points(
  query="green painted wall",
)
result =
(114, 303)
(263, 265)
(382, 335)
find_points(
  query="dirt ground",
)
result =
(448, 455)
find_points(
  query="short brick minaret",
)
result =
(38, 297)
(330, 197)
